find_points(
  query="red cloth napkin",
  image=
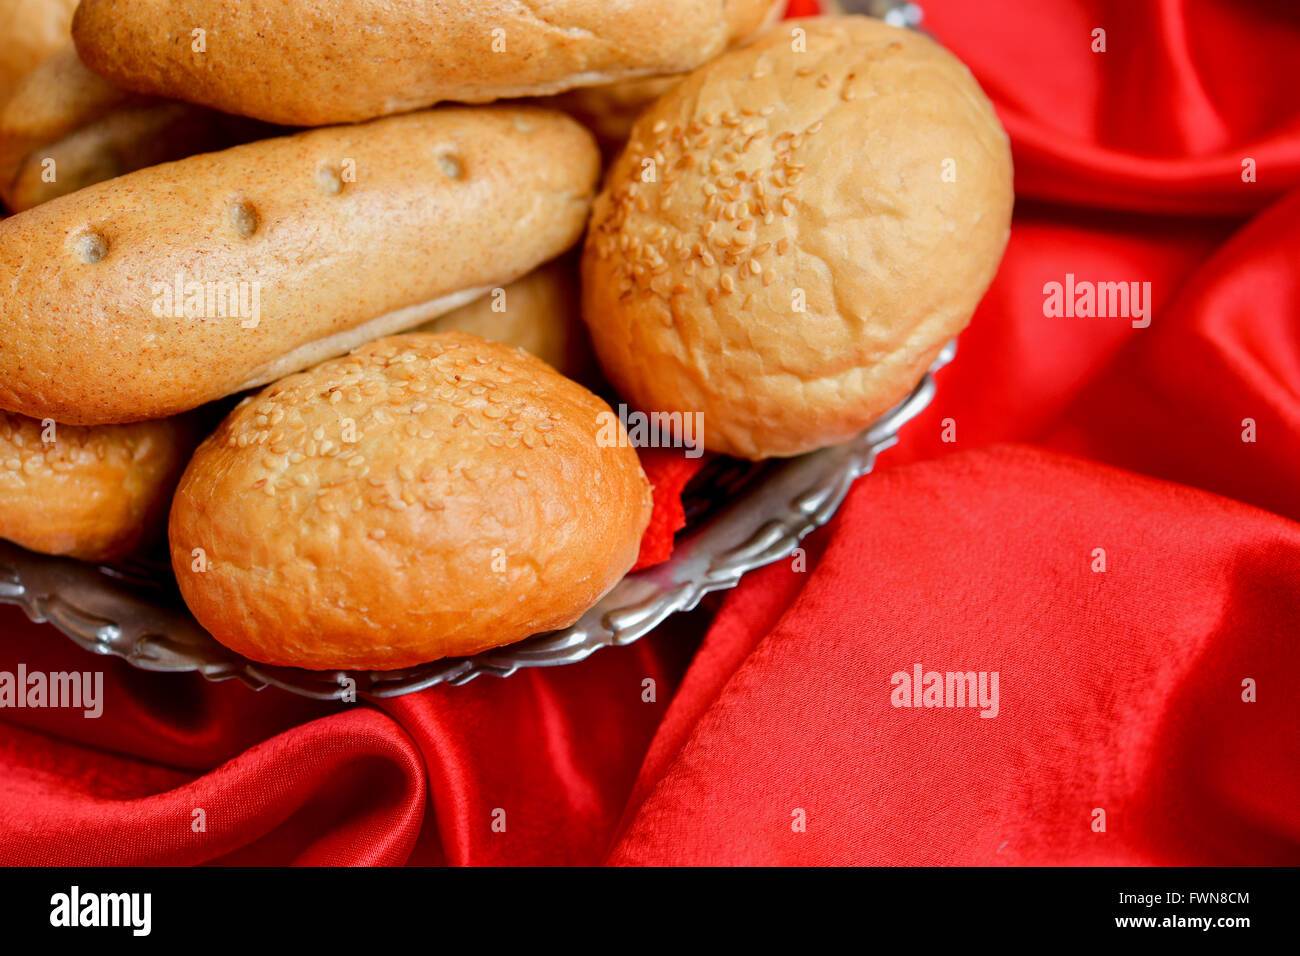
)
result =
(776, 739)
(669, 472)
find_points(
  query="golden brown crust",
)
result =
(473, 507)
(609, 111)
(539, 313)
(30, 30)
(773, 180)
(747, 18)
(445, 204)
(90, 130)
(58, 95)
(312, 64)
(93, 493)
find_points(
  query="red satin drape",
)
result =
(1120, 690)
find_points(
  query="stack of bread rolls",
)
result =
(795, 218)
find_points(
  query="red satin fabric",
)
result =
(1119, 690)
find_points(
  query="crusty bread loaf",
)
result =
(93, 493)
(794, 232)
(64, 128)
(424, 496)
(539, 313)
(316, 242)
(309, 64)
(30, 30)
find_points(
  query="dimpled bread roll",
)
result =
(30, 30)
(91, 493)
(538, 313)
(91, 130)
(790, 237)
(172, 286)
(309, 64)
(427, 495)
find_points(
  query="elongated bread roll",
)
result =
(425, 496)
(309, 64)
(166, 288)
(64, 128)
(91, 493)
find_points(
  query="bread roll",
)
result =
(794, 232)
(64, 122)
(609, 111)
(91, 493)
(309, 64)
(424, 496)
(538, 313)
(315, 242)
(30, 30)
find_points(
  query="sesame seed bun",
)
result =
(310, 64)
(92, 493)
(791, 236)
(316, 242)
(427, 495)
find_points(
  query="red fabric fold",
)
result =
(1172, 451)
(1162, 121)
(1119, 689)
